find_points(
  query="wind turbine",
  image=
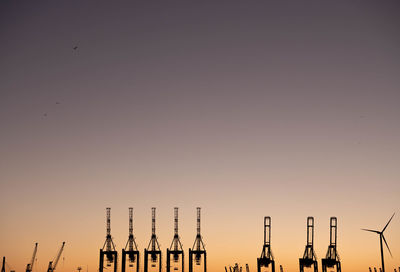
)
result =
(382, 237)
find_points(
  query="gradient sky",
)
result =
(277, 108)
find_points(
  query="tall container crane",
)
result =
(131, 249)
(29, 266)
(108, 249)
(309, 257)
(198, 249)
(53, 264)
(267, 258)
(332, 256)
(176, 250)
(153, 249)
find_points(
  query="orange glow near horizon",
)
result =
(229, 239)
(246, 109)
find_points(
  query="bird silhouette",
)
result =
(75, 47)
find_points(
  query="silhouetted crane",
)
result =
(309, 258)
(332, 256)
(29, 266)
(108, 249)
(198, 247)
(266, 258)
(153, 249)
(131, 249)
(53, 264)
(3, 266)
(176, 249)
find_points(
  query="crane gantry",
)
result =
(153, 249)
(198, 249)
(108, 249)
(267, 258)
(131, 249)
(176, 249)
(309, 258)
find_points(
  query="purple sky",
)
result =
(277, 108)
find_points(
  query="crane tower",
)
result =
(131, 249)
(267, 258)
(29, 266)
(175, 250)
(153, 249)
(53, 264)
(332, 257)
(309, 258)
(198, 249)
(108, 249)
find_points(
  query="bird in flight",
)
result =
(75, 47)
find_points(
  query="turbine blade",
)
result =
(387, 223)
(387, 245)
(372, 230)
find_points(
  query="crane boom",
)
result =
(53, 264)
(29, 266)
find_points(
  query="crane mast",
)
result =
(53, 264)
(266, 259)
(175, 250)
(131, 243)
(29, 266)
(131, 251)
(198, 250)
(153, 249)
(108, 254)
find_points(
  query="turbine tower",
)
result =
(382, 237)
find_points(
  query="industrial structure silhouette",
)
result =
(382, 237)
(175, 257)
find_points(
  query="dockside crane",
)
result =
(108, 249)
(309, 258)
(198, 249)
(131, 249)
(175, 251)
(29, 266)
(153, 249)
(332, 259)
(266, 259)
(53, 264)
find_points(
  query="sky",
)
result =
(246, 109)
